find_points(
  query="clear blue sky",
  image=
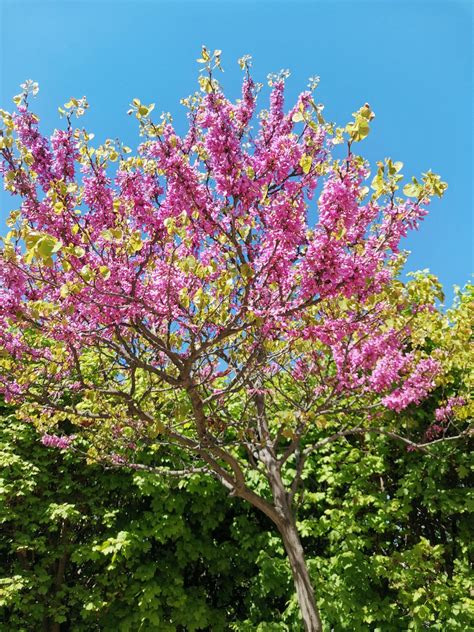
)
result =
(412, 61)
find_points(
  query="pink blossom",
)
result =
(416, 387)
(56, 441)
(444, 413)
(243, 224)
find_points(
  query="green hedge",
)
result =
(387, 534)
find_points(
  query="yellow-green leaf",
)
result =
(305, 163)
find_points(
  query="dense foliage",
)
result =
(386, 532)
(107, 550)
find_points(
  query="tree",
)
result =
(184, 302)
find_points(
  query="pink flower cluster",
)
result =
(26, 125)
(446, 412)
(416, 387)
(443, 415)
(55, 441)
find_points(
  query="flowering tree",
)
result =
(183, 300)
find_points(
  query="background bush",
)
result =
(387, 533)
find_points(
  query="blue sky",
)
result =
(412, 61)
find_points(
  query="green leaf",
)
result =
(362, 130)
(205, 84)
(413, 190)
(104, 272)
(135, 243)
(47, 245)
(246, 270)
(297, 117)
(78, 251)
(305, 163)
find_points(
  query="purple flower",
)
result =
(55, 441)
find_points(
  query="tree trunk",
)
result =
(301, 578)
(285, 521)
